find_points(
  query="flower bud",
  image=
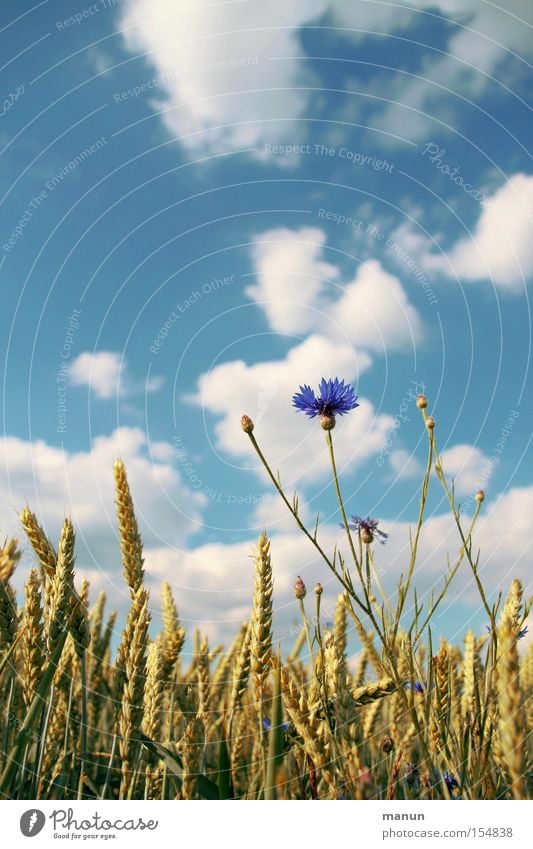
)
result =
(430, 422)
(299, 588)
(480, 496)
(421, 402)
(247, 424)
(319, 589)
(327, 422)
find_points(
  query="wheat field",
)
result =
(409, 717)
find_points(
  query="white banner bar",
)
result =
(268, 825)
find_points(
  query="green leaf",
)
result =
(206, 788)
(276, 737)
(225, 787)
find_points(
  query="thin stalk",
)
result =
(84, 722)
(103, 794)
(306, 629)
(329, 441)
(302, 527)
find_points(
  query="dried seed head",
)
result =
(430, 422)
(327, 421)
(319, 589)
(421, 402)
(367, 536)
(480, 496)
(299, 588)
(387, 744)
(247, 424)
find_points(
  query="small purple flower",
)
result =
(450, 781)
(417, 686)
(520, 636)
(368, 528)
(267, 725)
(335, 398)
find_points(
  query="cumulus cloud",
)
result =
(213, 583)
(106, 373)
(469, 467)
(224, 70)
(500, 247)
(264, 391)
(298, 290)
(405, 465)
(56, 483)
(234, 75)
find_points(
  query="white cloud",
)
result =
(56, 483)
(291, 277)
(220, 77)
(106, 373)
(499, 248)
(469, 467)
(296, 288)
(272, 513)
(263, 391)
(214, 583)
(233, 75)
(405, 465)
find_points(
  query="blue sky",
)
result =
(204, 208)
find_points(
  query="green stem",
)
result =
(329, 440)
(306, 629)
(302, 527)
(83, 737)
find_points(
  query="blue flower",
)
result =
(267, 725)
(520, 636)
(368, 527)
(417, 686)
(335, 398)
(450, 781)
